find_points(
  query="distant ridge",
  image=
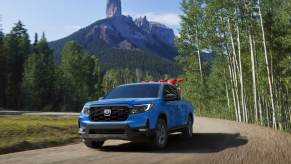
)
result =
(121, 32)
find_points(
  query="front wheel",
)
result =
(161, 134)
(94, 144)
(188, 131)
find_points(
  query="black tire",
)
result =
(94, 144)
(188, 131)
(161, 134)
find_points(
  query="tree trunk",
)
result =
(237, 114)
(267, 112)
(254, 77)
(235, 92)
(268, 68)
(235, 68)
(199, 55)
(241, 75)
(226, 90)
(260, 110)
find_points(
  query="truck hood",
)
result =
(127, 101)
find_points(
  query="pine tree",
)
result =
(79, 76)
(17, 51)
(39, 77)
(3, 71)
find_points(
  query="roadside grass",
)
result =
(18, 133)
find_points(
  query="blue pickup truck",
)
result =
(136, 112)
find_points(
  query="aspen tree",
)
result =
(268, 68)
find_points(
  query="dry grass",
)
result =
(28, 132)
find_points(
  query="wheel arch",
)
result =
(191, 115)
(163, 116)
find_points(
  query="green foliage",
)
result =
(2, 71)
(135, 59)
(17, 51)
(193, 88)
(217, 88)
(79, 74)
(116, 77)
(39, 77)
(189, 43)
(215, 25)
(31, 80)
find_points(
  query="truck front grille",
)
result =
(118, 113)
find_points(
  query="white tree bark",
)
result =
(236, 91)
(267, 111)
(254, 77)
(226, 90)
(258, 113)
(237, 115)
(235, 87)
(260, 110)
(199, 55)
(235, 68)
(268, 68)
(241, 74)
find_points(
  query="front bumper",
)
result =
(115, 132)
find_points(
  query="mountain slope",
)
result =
(120, 43)
(117, 32)
(135, 59)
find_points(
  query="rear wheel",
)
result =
(188, 131)
(94, 144)
(161, 134)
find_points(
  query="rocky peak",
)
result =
(160, 31)
(143, 23)
(113, 8)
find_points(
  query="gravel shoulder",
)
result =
(214, 141)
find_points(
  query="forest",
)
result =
(30, 78)
(249, 78)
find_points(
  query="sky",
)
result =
(59, 18)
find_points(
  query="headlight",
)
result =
(86, 110)
(140, 108)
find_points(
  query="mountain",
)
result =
(113, 8)
(119, 32)
(123, 33)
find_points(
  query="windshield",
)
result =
(134, 91)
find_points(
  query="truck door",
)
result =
(180, 111)
(172, 108)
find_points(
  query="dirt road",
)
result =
(215, 141)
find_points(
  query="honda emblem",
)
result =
(107, 112)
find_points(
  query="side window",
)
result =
(170, 90)
(175, 92)
(166, 90)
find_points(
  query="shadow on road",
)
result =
(199, 143)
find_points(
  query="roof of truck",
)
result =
(147, 83)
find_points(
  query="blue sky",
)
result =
(59, 18)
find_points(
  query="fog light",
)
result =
(81, 130)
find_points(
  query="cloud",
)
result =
(170, 19)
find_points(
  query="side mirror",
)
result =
(170, 97)
(101, 98)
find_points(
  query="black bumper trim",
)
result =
(118, 132)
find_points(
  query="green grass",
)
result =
(36, 131)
